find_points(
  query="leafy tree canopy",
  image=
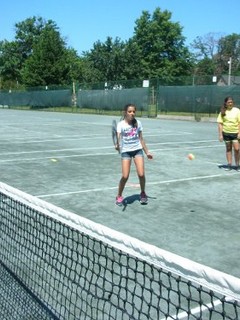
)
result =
(161, 45)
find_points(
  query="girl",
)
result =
(229, 131)
(129, 136)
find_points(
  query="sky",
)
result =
(84, 22)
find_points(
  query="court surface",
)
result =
(69, 160)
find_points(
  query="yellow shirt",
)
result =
(230, 121)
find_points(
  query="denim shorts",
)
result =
(132, 154)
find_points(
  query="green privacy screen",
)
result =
(195, 99)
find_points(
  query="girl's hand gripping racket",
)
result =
(114, 135)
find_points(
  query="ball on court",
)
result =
(54, 160)
(191, 156)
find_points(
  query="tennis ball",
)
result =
(54, 160)
(191, 156)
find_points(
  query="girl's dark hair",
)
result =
(224, 107)
(134, 121)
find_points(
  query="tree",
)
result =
(106, 60)
(229, 47)
(10, 63)
(155, 50)
(161, 46)
(213, 53)
(206, 46)
(38, 56)
(46, 65)
(132, 58)
(205, 54)
(28, 32)
(75, 66)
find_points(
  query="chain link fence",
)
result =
(196, 96)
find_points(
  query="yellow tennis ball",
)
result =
(191, 156)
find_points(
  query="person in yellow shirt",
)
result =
(229, 130)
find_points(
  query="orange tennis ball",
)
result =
(191, 156)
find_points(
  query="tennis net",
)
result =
(55, 264)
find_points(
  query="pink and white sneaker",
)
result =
(119, 200)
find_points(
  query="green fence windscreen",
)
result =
(113, 99)
(48, 98)
(195, 99)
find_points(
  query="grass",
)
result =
(151, 112)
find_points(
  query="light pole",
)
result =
(229, 70)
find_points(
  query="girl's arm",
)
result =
(220, 131)
(117, 146)
(144, 146)
(239, 124)
(239, 130)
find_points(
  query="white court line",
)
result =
(60, 157)
(186, 179)
(128, 186)
(187, 147)
(52, 150)
(107, 147)
(184, 142)
(161, 134)
(58, 140)
(154, 151)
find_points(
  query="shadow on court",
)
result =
(129, 200)
(225, 167)
(133, 198)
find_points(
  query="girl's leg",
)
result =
(139, 163)
(126, 164)
(229, 152)
(236, 153)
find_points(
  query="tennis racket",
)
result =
(114, 133)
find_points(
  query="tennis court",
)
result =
(69, 161)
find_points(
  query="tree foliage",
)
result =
(229, 47)
(38, 55)
(106, 60)
(46, 64)
(28, 32)
(156, 50)
(10, 60)
(213, 53)
(161, 46)
(205, 47)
